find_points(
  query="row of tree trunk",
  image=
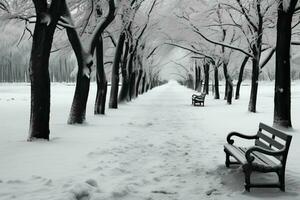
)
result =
(48, 16)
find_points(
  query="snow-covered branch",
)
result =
(196, 30)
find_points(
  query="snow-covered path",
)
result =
(161, 153)
(156, 147)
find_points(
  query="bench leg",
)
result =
(247, 172)
(281, 177)
(227, 161)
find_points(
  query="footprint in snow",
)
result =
(211, 191)
(98, 169)
(14, 182)
(84, 191)
(120, 193)
(149, 124)
(92, 182)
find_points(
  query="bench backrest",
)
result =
(273, 139)
(202, 96)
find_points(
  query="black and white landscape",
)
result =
(96, 97)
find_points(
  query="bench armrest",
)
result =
(262, 150)
(231, 141)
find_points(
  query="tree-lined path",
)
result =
(101, 118)
(157, 147)
(159, 153)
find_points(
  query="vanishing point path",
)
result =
(157, 147)
(162, 151)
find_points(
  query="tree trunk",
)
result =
(216, 73)
(282, 99)
(238, 86)
(206, 80)
(84, 61)
(101, 80)
(196, 77)
(226, 77)
(39, 68)
(254, 85)
(229, 90)
(40, 83)
(200, 79)
(78, 108)
(256, 49)
(137, 87)
(130, 73)
(125, 79)
(132, 85)
(113, 101)
(143, 83)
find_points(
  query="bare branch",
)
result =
(269, 56)
(110, 36)
(87, 17)
(189, 49)
(196, 30)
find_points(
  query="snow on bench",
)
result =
(269, 154)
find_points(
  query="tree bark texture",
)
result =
(216, 76)
(125, 76)
(144, 83)
(132, 85)
(282, 98)
(84, 60)
(229, 90)
(254, 85)
(138, 82)
(206, 80)
(100, 79)
(45, 25)
(226, 77)
(240, 79)
(196, 77)
(130, 73)
(113, 101)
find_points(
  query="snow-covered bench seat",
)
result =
(269, 154)
(198, 99)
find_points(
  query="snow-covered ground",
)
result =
(157, 147)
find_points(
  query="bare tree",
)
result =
(47, 17)
(113, 101)
(84, 60)
(254, 18)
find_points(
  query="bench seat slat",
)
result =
(258, 159)
(236, 153)
(264, 159)
(239, 154)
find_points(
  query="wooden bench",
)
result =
(198, 99)
(269, 154)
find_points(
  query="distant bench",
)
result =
(198, 99)
(269, 154)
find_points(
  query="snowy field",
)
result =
(157, 147)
